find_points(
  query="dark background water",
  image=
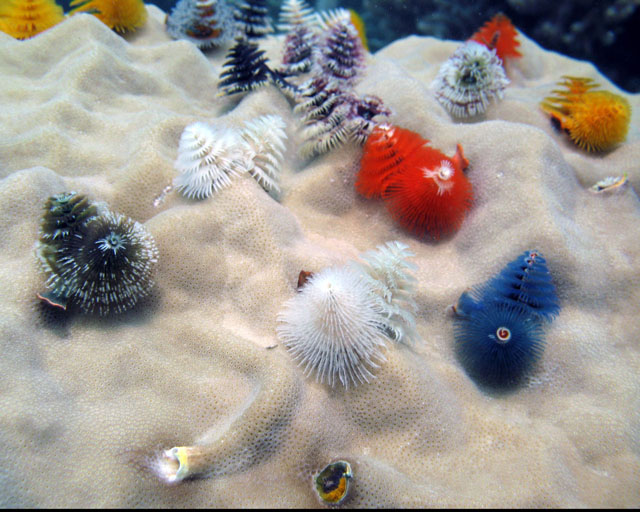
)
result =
(605, 32)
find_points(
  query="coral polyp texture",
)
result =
(469, 80)
(191, 400)
(498, 331)
(23, 19)
(120, 15)
(426, 191)
(500, 35)
(203, 22)
(595, 120)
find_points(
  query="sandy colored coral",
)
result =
(88, 406)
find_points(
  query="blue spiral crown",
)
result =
(524, 283)
(499, 333)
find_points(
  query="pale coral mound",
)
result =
(90, 407)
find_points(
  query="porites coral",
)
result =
(119, 15)
(595, 120)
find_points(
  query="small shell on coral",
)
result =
(180, 462)
(469, 80)
(23, 19)
(595, 120)
(333, 482)
(120, 15)
(610, 184)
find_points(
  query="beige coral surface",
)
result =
(88, 404)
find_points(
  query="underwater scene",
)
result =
(331, 254)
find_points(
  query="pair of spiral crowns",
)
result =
(97, 260)
(328, 41)
(210, 156)
(208, 23)
(338, 324)
(332, 112)
(425, 191)
(329, 48)
(595, 120)
(23, 19)
(498, 328)
(474, 75)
